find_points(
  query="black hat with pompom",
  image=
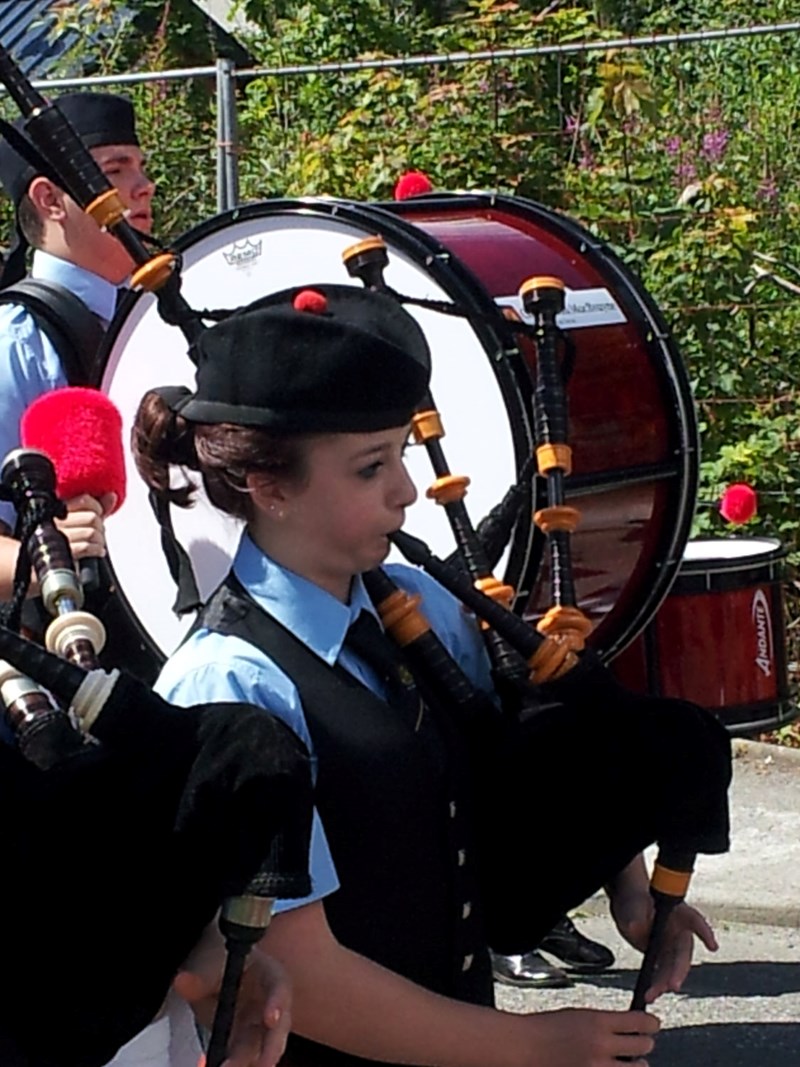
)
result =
(324, 359)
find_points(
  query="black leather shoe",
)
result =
(579, 953)
(530, 971)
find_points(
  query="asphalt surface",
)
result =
(740, 1007)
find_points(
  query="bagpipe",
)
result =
(130, 823)
(458, 260)
(551, 656)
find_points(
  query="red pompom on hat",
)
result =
(412, 183)
(738, 503)
(310, 300)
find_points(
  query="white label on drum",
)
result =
(763, 630)
(582, 307)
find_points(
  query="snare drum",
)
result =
(719, 637)
(632, 421)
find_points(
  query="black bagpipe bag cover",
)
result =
(115, 861)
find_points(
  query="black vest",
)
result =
(394, 798)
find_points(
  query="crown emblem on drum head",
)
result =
(242, 253)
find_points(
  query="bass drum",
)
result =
(632, 423)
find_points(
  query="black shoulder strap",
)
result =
(231, 610)
(73, 330)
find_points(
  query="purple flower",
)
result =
(767, 189)
(571, 123)
(714, 144)
(685, 172)
(586, 161)
(673, 145)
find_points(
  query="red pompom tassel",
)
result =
(310, 300)
(412, 183)
(81, 431)
(738, 503)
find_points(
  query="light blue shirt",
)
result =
(215, 667)
(29, 365)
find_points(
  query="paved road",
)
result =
(740, 1007)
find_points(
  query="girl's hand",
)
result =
(263, 1008)
(633, 914)
(579, 1037)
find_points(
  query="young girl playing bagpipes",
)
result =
(429, 846)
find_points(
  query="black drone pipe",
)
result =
(58, 144)
(366, 261)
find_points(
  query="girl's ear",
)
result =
(265, 490)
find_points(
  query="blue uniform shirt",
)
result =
(214, 667)
(29, 365)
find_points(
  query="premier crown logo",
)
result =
(243, 253)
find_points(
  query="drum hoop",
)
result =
(722, 574)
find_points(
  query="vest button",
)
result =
(462, 857)
(465, 966)
(452, 809)
(466, 910)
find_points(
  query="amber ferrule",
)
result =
(558, 517)
(554, 457)
(570, 623)
(427, 426)
(151, 275)
(402, 618)
(106, 209)
(541, 289)
(497, 590)
(360, 248)
(550, 660)
(542, 281)
(448, 489)
(670, 883)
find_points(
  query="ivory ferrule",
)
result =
(91, 696)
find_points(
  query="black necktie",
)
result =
(366, 640)
(122, 292)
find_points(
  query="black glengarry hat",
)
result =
(98, 118)
(325, 359)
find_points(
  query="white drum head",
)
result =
(730, 549)
(229, 266)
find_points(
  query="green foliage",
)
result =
(685, 157)
(175, 118)
(472, 124)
